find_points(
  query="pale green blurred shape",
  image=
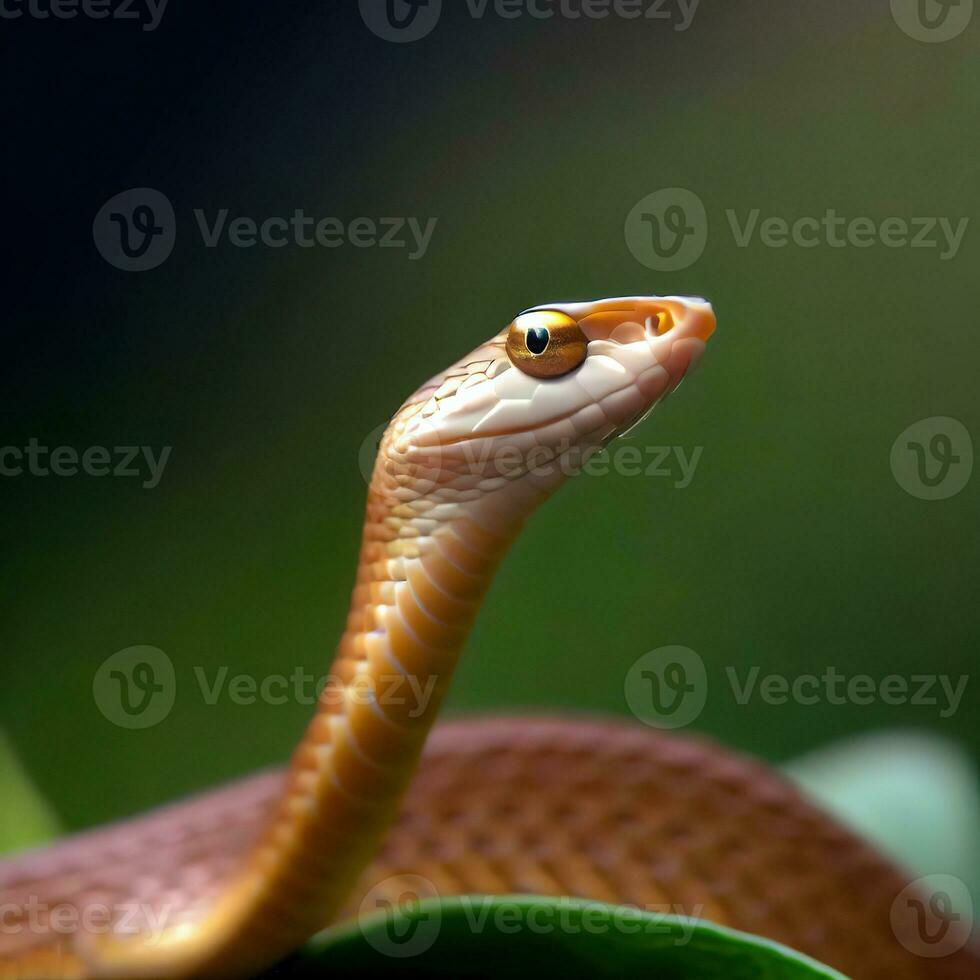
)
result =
(26, 818)
(914, 795)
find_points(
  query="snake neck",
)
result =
(427, 559)
(424, 568)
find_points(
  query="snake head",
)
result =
(557, 384)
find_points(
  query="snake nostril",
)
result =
(658, 323)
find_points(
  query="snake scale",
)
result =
(226, 884)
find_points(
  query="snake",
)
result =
(377, 798)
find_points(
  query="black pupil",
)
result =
(537, 339)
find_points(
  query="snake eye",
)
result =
(546, 344)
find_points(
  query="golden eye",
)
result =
(546, 344)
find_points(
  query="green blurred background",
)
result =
(794, 548)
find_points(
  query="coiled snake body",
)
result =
(230, 882)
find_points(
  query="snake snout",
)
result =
(699, 319)
(680, 341)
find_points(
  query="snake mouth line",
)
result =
(518, 430)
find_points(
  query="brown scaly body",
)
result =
(607, 811)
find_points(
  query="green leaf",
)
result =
(26, 819)
(482, 936)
